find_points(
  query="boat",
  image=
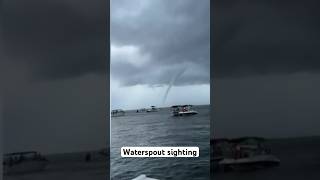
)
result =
(183, 110)
(23, 162)
(141, 110)
(242, 154)
(249, 163)
(117, 113)
(144, 177)
(152, 109)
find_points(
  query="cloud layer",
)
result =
(265, 37)
(55, 39)
(158, 39)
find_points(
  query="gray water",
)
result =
(161, 129)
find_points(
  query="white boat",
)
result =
(23, 162)
(183, 110)
(117, 113)
(242, 154)
(249, 163)
(152, 109)
(144, 177)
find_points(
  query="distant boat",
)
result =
(250, 163)
(141, 110)
(23, 162)
(183, 110)
(117, 113)
(143, 177)
(152, 109)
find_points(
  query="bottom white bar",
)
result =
(160, 152)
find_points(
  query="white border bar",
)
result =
(160, 152)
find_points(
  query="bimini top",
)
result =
(20, 153)
(175, 106)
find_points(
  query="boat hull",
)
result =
(25, 167)
(188, 113)
(249, 164)
(152, 110)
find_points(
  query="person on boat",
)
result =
(237, 152)
(88, 157)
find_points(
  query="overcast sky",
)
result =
(266, 68)
(53, 72)
(152, 42)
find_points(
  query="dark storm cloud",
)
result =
(55, 39)
(262, 37)
(175, 34)
(266, 68)
(57, 116)
(63, 44)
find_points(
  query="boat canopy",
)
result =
(176, 106)
(21, 153)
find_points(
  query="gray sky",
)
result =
(266, 68)
(151, 42)
(53, 75)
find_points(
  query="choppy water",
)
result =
(161, 129)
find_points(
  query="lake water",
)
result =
(161, 129)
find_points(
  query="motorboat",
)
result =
(117, 113)
(152, 109)
(249, 163)
(144, 177)
(183, 110)
(23, 162)
(141, 110)
(242, 154)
